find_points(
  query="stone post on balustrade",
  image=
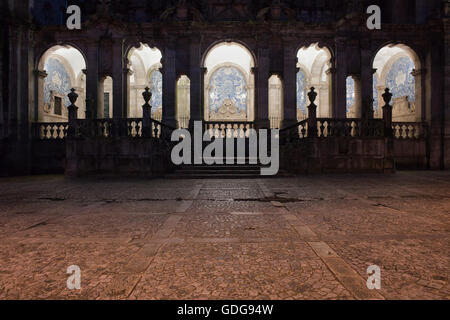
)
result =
(73, 114)
(146, 114)
(312, 114)
(387, 113)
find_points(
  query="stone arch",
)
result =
(142, 61)
(58, 69)
(234, 55)
(314, 61)
(407, 87)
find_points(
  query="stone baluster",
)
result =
(73, 115)
(312, 114)
(387, 113)
(146, 114)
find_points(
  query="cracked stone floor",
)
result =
(310, 237)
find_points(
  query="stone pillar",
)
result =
(39, 90)
(13, 74)
(332, 94)
(447, 88)
(420, 85)
(366, 82)
(435, 85)
(169, 86)
(262, 89)
(289, 85)
(339, 81)
(120, 81)
(196, 78)
(92, 80)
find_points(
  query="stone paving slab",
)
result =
(306, 237)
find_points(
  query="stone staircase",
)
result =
(235, 171)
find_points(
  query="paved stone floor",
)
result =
(309, 237)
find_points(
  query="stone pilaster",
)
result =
(290, 85)
(120, 81)
(447, 88)
(195, 76)
(366, 82)
(262, 89)
(435, 86)
(169, 86)
(339, 108)
(39, 106)
(92, 80)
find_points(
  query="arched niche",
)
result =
(105, 110)
(183, 101)
(59, 69)
(275, 101)
(144, 64)
(313, 62)
(229, 83)
(398, 68)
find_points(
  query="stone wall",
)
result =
(119, 157)
(338, 155)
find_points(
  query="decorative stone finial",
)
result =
(147, 95)
(312, 95)
(387, 96)
(73, 96)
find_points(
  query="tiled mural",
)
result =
(301, 91)
(57, 80)
(375, 93)
(400, 80)
(228, 83)
(350, 83)
(156, 81)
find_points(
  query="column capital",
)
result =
(41, 73)
(418, 72)
(331, 71)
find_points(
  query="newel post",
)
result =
(73, 114)
(146, 114)
(387, 113)
(312, 114)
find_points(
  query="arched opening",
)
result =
(398, 68)
(313, 64)
(229, 83)
(106, 99)
(353, 96)
(60, 69)
(145, 64)
(275, 101)
(183, 101)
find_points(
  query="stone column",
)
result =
(262, 89)
(420, 84)
(196, 78)
(39, 90)
(92, 80)
(120, 81)
(366, 83)
(289, 85)
(339, 81)
(169, 86)
(435, 85)
(447, 88)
